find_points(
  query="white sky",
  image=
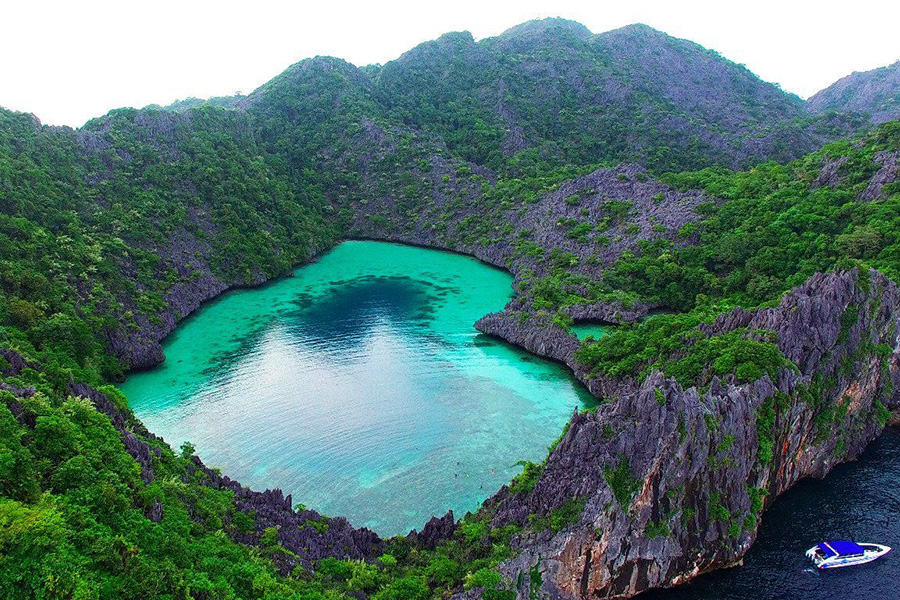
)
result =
(68, 61)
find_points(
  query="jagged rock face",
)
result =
(435, 531)
(702, 462)
(650, 211)
(140, 347)
(889, 172)
(15, 363)
(874, 92)
(305, 533)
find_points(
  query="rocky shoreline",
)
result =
(625, 560)
(542, 337)
(702, 466)
(674, 470)
(676, 449)
(306, 535)
(655, 212)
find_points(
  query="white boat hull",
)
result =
(872, 552)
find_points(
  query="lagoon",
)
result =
(361, 387)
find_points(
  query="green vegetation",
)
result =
(774, 230)
(623, 483)
(717, 511)
(560, 517)
(882, 414)
(567, 514)
(524, 482)
(756, 499)
(536, 581)
(73, 517)
(660, 396)
(657, 529)
(101, 229)
(673, 345)
(442, 87)
(79, 260)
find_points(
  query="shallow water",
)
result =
(361, 387)
(595, 330)
(859, 501)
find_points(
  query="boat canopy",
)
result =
(840, 548)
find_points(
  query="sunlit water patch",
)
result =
(361, 387)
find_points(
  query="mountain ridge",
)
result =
(552, 91)
(113, 233)
(875, 92)
(556, 88)
(630, 94)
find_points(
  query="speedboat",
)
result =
(831, 555)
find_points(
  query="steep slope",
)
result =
(875, 93)
(554, 88)
(152, 212)
(669, 482)
(111, 234)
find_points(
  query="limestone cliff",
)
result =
(673, 481)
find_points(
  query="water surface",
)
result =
(361, 387)
(859, 501)
(587, 329)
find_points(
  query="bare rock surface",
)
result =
(889, 172)
(875, 92)
(703, 463)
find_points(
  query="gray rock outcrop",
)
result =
(673, 480)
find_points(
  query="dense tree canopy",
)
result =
(102, 228)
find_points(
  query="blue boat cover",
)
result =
(840, 548)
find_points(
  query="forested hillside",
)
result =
(508, 149)
(873, 93)
(553, 91)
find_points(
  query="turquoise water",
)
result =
(595, 330)
(361, 387)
